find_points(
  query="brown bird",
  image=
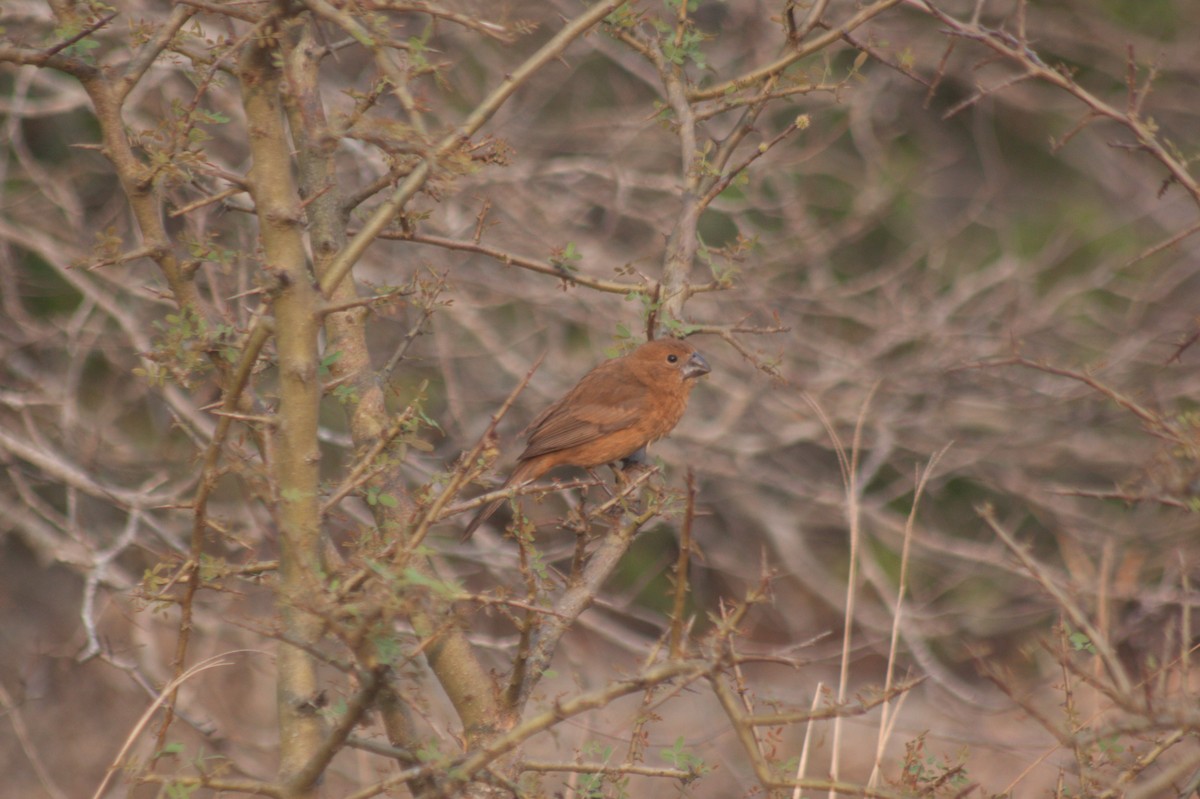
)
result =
(612, 414)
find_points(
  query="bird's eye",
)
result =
(672, 358)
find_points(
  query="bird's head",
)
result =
(670, 359)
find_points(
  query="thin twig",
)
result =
(459, 476)
(1116, 670)
(166, 695)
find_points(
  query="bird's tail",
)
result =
(522, 474)
(482, 516)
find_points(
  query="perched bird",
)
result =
(612, 414)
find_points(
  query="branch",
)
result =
(524, 262)
(606, 769)
(563, 709)
(729, 175)
(167, 693)
(363, 470)
(577, 598)
(1109, 657)
(358, 706)
(83, 34)
(744, 727)
(754, 77)
(379, 220)
(459, 477)
(1015, 49)
(137, 66)
(1153, 422)
(61, 469)
(489, 29)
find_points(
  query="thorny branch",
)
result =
(1016, 49)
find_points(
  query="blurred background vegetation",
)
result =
(940, 261)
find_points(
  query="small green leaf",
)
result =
(170, 749)
(566, 258)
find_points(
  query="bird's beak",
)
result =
(696, 366)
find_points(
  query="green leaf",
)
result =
(566, 258)
(680, 759)
(170, 749)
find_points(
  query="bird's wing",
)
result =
(579, 418)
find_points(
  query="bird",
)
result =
(611, 414)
